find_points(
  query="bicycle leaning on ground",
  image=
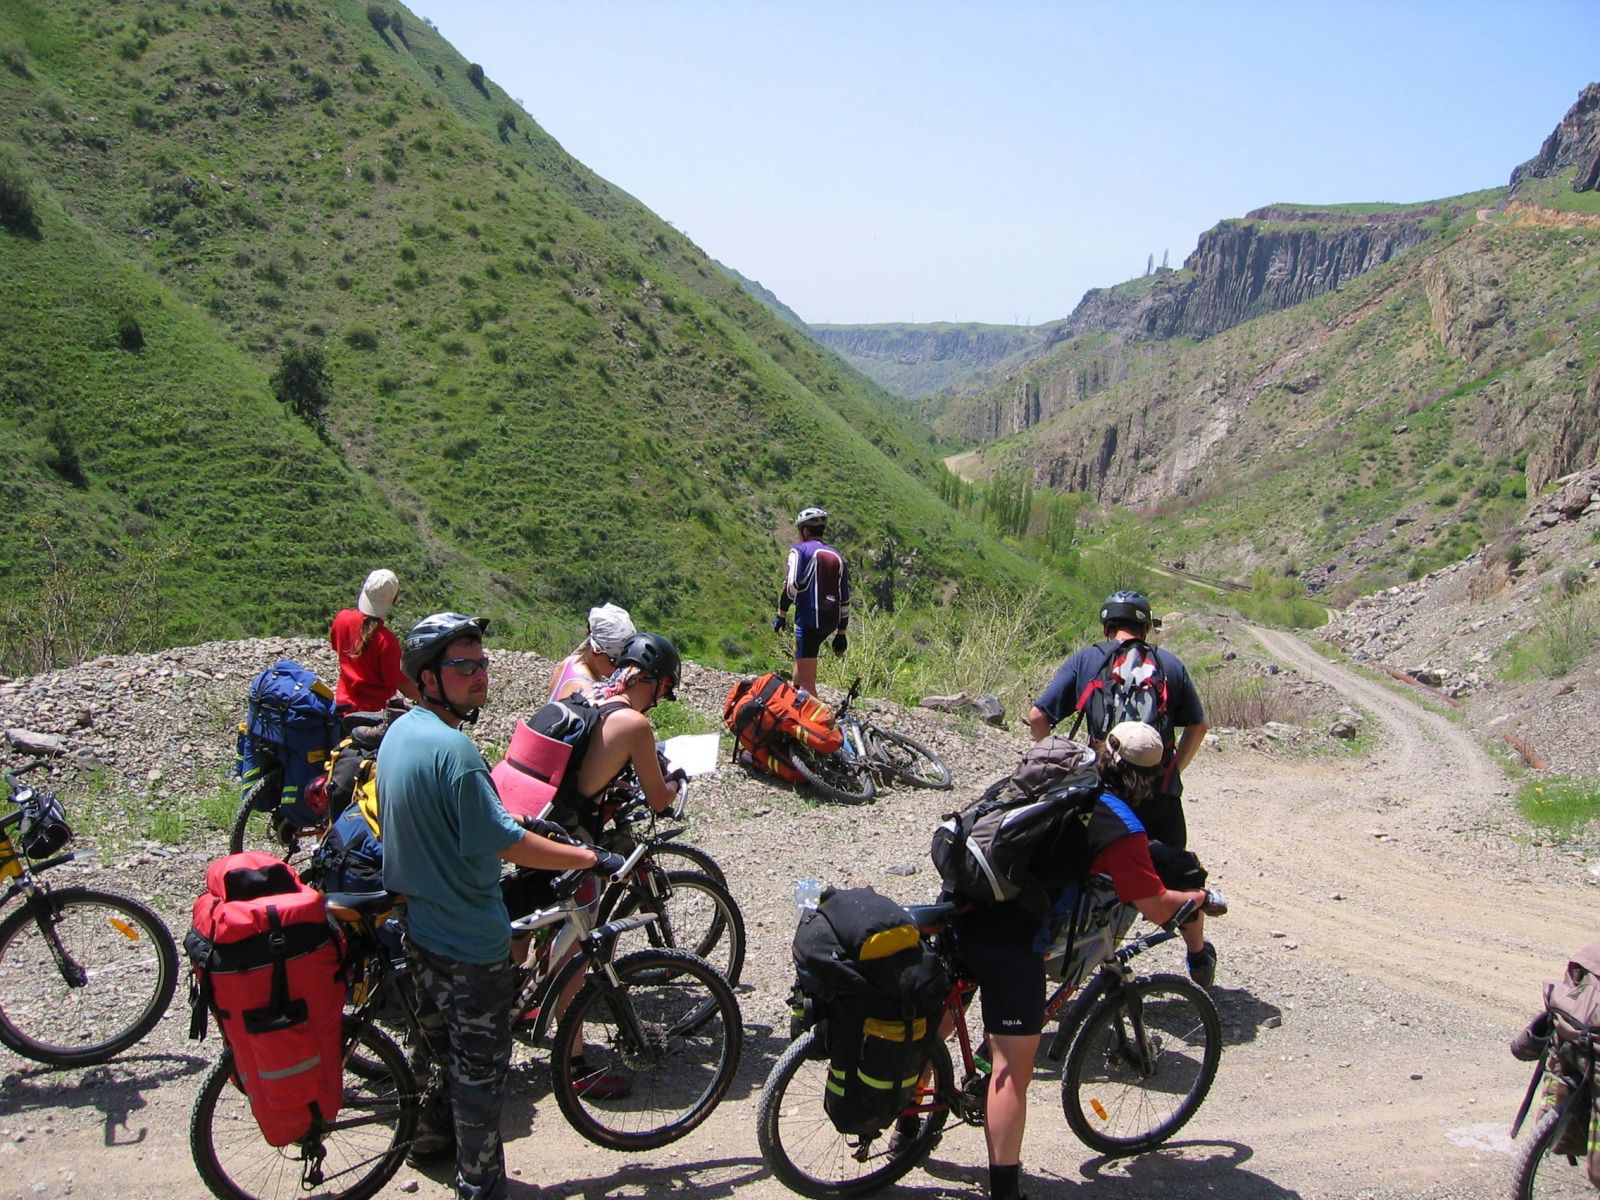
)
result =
(872, 756)
(84, 974)
(665, 1018)
(888, 755)
(1141, 1052)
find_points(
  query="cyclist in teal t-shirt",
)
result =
(445, 834)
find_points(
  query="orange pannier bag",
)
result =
(765, 711)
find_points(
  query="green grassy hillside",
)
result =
(539, 395)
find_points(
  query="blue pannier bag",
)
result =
(290, 726)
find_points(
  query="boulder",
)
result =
(40, 745)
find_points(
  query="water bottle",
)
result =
(806, 894)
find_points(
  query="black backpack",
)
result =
(1027, 833)
(1130, 686)
(878, 989)
(573, 722)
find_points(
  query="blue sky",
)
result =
(992, 161)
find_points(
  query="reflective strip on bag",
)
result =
(888, 941)
(896, 1031)
(298, 1068)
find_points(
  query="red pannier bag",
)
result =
(269, 965)
(767, 710)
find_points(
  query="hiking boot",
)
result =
(429, 1148)
(1203, 964)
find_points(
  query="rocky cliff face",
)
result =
(1273, 259)
(1574, 146)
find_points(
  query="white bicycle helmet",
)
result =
(811, 515)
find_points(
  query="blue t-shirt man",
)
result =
(443, 830)
(1062, 695)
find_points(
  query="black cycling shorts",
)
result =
(1162, 818)
(1010, 985)
(808, 642)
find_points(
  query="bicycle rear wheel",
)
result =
(83, 975)
(669, 1030)
(1544, 1174)
(696, 914)
(909, 760)
(837, 776)
(269, 832)
(1141, 1064)
(810, 1156)
(364, 1145)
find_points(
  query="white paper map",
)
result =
(696, 753)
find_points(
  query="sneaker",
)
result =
(600, 1085)
(1203, 965)
(430, 1148)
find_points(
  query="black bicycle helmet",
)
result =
(655, 658)
(428, 637)
(1123, 608)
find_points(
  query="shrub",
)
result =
(475, 77)
(361, 337)
(129, 335)
(17, 211)
(377, 17)
(1249, 702)
(301, 382)
(15, 59)
(63, 457)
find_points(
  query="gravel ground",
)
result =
(1389, 932)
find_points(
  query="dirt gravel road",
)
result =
(1389, 931)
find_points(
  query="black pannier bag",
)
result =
(878, 990)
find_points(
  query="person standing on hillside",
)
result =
(817, 583)
(1083, 685)
(610, 627)
(369, 653)
(445, 834)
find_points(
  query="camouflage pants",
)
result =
(465, 1008)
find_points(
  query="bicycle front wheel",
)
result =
(83, 975)
(363, 1147)
(1542, 1172)
(695, 913)
(909, 760)
(837, 776)
(660, 1048)
(1140, 1064)
(810, 1156)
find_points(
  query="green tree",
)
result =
(378, 17)
(301, 382)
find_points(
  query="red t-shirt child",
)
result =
(367, 680)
